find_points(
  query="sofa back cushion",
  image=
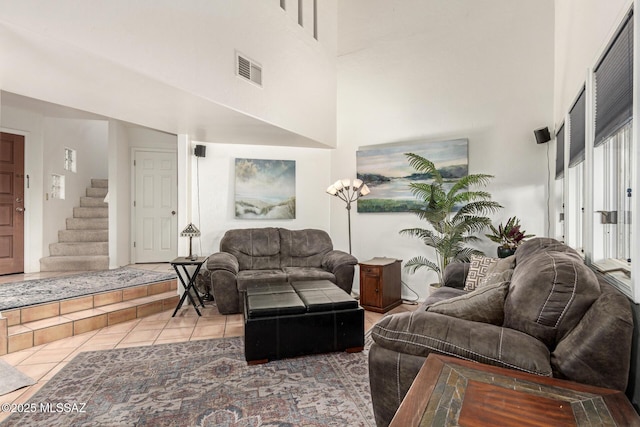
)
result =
(550, 292)
(303, 248)
(255, 248)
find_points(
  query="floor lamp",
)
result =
(348, 192)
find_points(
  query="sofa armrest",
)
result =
(455, 274)
(421, 333)
(223, 261)
(335, 259)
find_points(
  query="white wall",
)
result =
(90, 140)
(216, 191)
(431, 70)
(184, 51)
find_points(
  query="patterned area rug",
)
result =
(204, 384)
(22, 294)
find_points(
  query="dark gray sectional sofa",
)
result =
(552, 317)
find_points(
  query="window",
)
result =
(70, 160)
(559, 187)
(575, 177)
(612, 203)
(612, 157)
(57, 186)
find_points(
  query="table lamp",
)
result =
(190, 231)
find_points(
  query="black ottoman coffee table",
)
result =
(293, 319)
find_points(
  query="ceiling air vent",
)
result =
(248, 69)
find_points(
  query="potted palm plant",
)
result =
(454, 215)
(508, 236)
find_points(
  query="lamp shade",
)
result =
(190, 231)
(364, 190)
(332, 190)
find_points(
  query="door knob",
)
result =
(20, 209)
(173, 212)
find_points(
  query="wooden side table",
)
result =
(190, 284)
(451, 391)
(380, 285)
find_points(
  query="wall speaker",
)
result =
(542, 135)
(201, 151)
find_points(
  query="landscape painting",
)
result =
(265, 189)
(387, 172)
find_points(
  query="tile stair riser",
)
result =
(20, 337)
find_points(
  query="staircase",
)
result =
(84, 245)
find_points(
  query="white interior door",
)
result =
(155, 205)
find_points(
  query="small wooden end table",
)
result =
(450, 391)
(185, 262)
(380, 284)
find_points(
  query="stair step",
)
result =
(99, 183)
(87, 223)
(97, 192)
(82, 212)
(74, 263)
(46, 330)
(74, 236)
(79, 249)
(93, 202)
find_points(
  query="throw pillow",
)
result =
(484, 305)
(495, 277)
(477, 270)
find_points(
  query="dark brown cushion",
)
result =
(549, 294)
(485, 304)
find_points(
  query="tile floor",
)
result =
(43, 362)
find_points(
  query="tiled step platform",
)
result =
(43, 323)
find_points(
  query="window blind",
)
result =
(560, 153)
(614, 84)
(576, 132)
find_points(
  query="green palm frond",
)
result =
(454, 216)
(419, 262)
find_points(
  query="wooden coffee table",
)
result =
(451, 392)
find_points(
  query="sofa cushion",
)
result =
(254, 248)
(421, 333)
(549, 294)
(485, 304)
(308, 273)
(478, 268)
(597, 350)
(246, 277)
(303, 248)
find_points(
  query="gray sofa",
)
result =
(545, 313)
(273, 255)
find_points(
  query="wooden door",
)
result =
(155, 205)
(11, 203)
